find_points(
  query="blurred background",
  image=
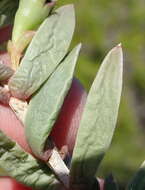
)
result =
(101, 25)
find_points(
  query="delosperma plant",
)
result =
(36, 84)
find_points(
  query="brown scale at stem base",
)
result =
(16, 49)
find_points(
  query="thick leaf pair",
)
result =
(46, 73)
(45, 58)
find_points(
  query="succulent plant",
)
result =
(35, 87)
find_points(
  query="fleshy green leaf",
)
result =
(24, 167)
(46, 51)
(98, 120)
(5, 72)
(7, 11)
(138, 181)
(46, 104)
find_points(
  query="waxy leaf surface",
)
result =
(138, 181)
(46, 51)
(98, 120)
(24, 167)
(45, 105)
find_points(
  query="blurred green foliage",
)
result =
(102, 24)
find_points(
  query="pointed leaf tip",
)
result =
(119, 45)
(99, 119)
(118, 49)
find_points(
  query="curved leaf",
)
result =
(98, 120)
(46, 104)
(46, 51)
(24, 167)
